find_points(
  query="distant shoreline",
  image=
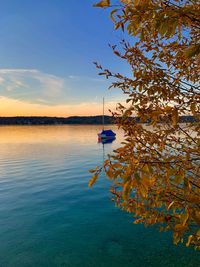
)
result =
(42, 120)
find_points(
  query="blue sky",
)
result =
(46, 52)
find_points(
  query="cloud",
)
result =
(86, 78)
(33, 86)
(1, 80)
(51, 94)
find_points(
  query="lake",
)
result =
(49, 217)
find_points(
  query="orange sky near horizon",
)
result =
(11, 107)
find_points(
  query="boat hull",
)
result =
(103, 136)
(107, 134)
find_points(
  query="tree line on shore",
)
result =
(43, 120)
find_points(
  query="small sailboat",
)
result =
(106, 134)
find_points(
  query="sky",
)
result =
(47, 50)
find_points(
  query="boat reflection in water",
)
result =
(106, 140)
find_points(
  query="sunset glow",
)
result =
(12, 107)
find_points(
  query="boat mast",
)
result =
(103, 114)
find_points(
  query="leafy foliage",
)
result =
(156, 173)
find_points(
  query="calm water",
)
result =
(49, 217)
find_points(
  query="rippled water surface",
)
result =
(49, 217)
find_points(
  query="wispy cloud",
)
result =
(33, 86)
(30, 91)
(36, 87)
(86, 78)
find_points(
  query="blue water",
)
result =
(49, 217)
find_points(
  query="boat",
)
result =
(106, 134)
(106, 140)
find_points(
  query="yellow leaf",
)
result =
(117, 166)
(163, 27)
(170, 205)
(112, 14)
(126, 190)
(138, 2)
(171, 28)
(196, 216)
(178, 178)
(92, 171)
(104, 3)
(175, 117)
(143, 191)
(93, 179)
(189, 240)
(137, 221)
(198, 233)
(146, 168)
(110, 173)
(179, 227)
(184, 218)
(192, 51)
(193, 108)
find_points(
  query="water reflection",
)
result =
(107, 140)
(49, 217)
(84, 134)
